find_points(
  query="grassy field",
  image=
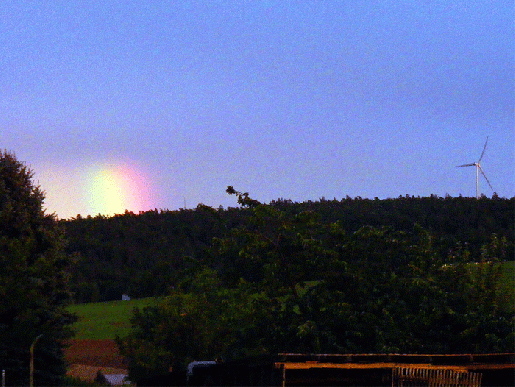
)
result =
(105, 320)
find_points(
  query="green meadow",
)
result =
(105, 320)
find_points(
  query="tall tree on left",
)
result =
(34, 272)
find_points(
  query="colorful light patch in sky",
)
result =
(113, 188)
(92, 188)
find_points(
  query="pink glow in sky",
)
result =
(98, 188)
(112, 189)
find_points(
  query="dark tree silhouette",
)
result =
(34, 274)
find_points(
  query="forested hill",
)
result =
(146, 254)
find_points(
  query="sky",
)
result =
(138, 105)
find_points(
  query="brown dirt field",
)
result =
(100, 353)
(89, 373)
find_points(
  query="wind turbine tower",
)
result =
(478, 169)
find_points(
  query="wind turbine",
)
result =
(478, 169)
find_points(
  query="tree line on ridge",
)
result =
(145, 254)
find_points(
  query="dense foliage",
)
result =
(287, 281)
(34, 274)
(145, 254)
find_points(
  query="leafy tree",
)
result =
(399, 294)
(286, 259)
(285, 281)
(480, 308)
(33, 280)
(199, 322)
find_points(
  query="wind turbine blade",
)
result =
(486, 178)
(484, 148)
(466, 165)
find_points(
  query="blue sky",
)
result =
(283, 99)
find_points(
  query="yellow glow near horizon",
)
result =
(112, 189)
(107, 192)
(95, 188)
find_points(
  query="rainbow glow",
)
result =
(114, 188)
(91, 188)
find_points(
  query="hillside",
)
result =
(146, 254)
(300, 277)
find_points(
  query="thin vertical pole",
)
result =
(32, 360)
(477, 181)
